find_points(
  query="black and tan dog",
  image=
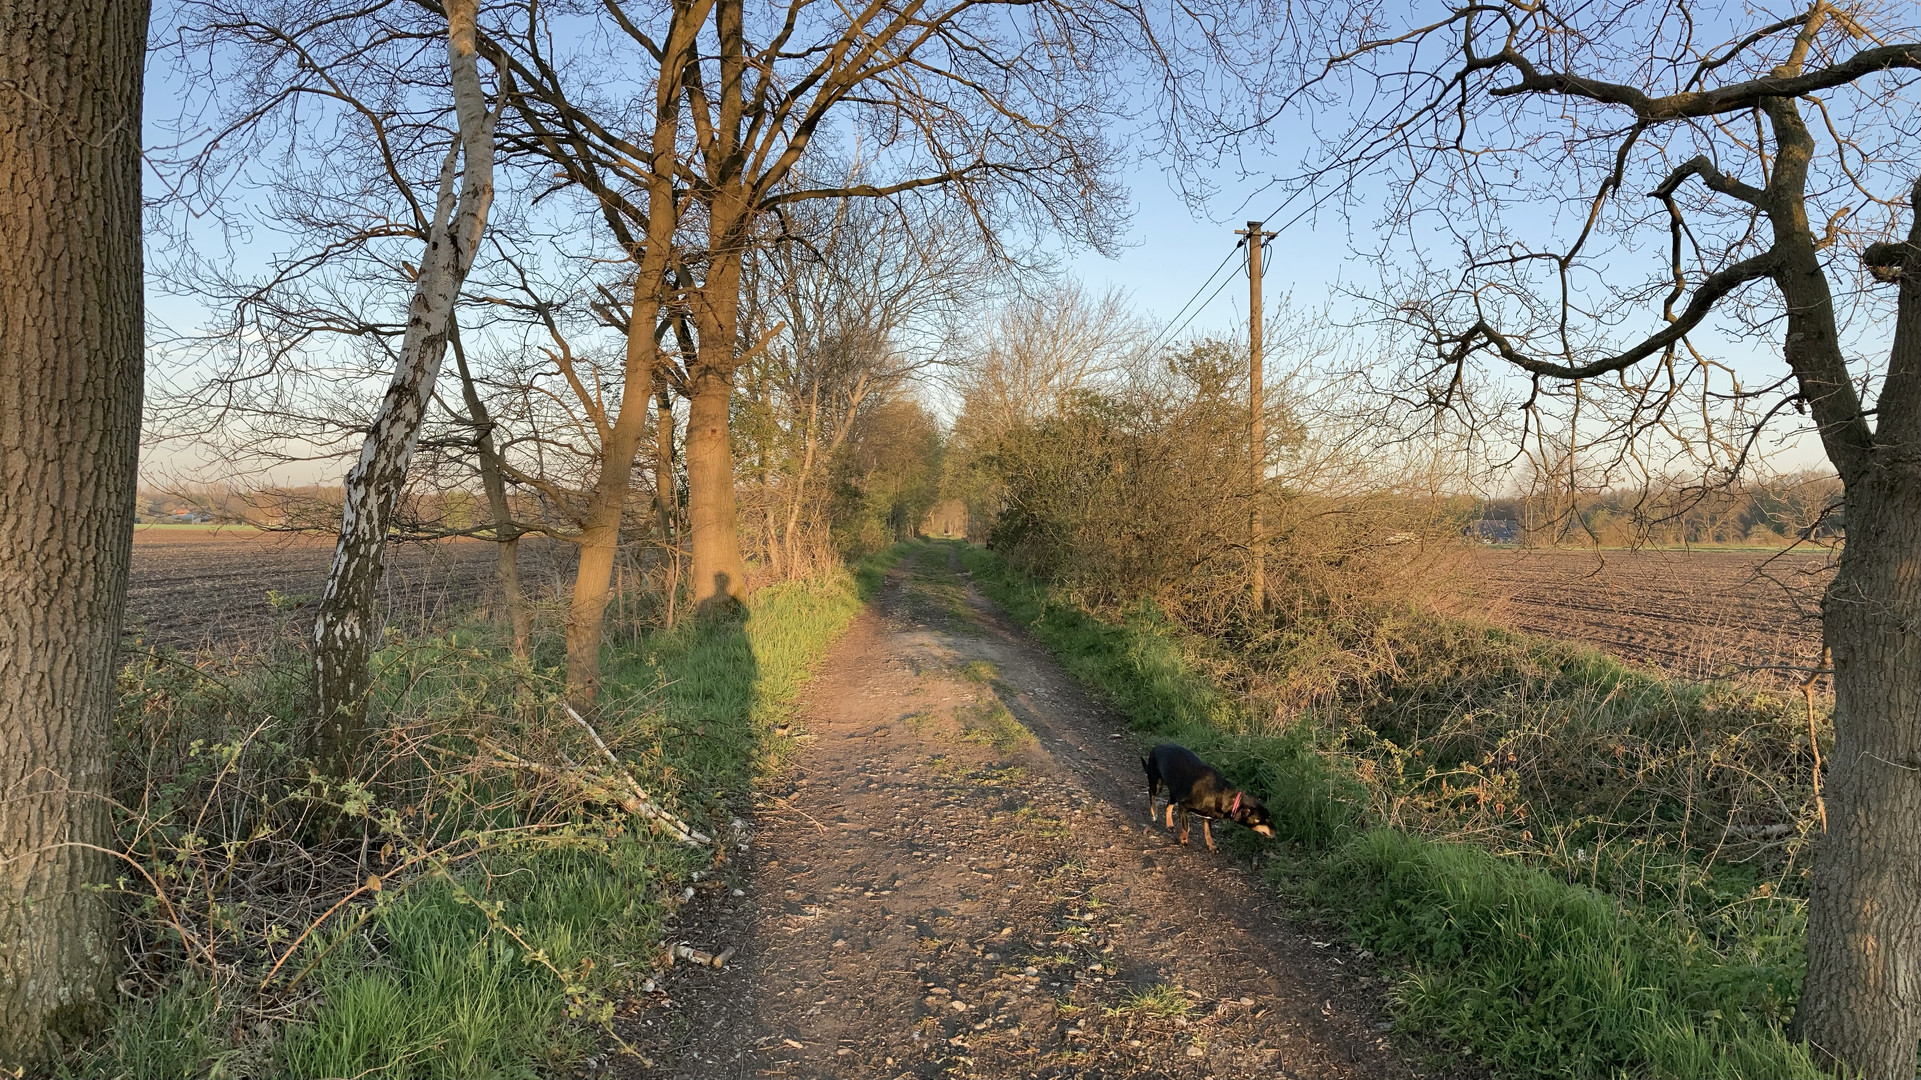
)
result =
(1196, 787)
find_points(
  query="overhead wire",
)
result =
(1169, 336)
(1266, 265)
(1163, 338)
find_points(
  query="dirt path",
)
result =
(958, 881)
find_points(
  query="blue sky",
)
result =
(1171, 248)
(1167, 250)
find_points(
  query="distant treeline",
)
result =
(1779, 510)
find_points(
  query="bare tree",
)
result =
(347, 628)
(991, 106)
(569, 112)
(283, 367)
(281, 343)
(71, 366)
(865, 297)
(1043, 348)
(1770, 161)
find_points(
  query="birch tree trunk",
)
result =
(71, 328)
(347, 630)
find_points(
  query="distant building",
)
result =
(1494, 531)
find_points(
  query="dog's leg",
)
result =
(1170, 811)
(1183, 825)
(1207, 833)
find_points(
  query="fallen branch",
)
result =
(598, 789)
(651, 809)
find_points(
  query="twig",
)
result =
(1814, 741)
(789, 804)
(590, 785)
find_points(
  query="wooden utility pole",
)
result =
(1256, 418)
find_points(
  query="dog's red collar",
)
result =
(1236, 808)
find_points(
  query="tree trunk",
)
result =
(600, 536)
(665, 501)
(71, 328)
(1861, 1004)
(720, 578)
(718, 572)
(719, 575)
(620, 441)
(347, 629)
(494, 482)
(620, 445)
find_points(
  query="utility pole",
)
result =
(1256, 418)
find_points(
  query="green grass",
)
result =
(449, 994)
(1162, 1001)
(1500, 957)
(988, 722)
(501, 966)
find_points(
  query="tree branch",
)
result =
(1712, 289)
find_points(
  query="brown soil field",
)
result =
(1693, 614)
(192, 588)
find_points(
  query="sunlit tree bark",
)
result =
(71, 369)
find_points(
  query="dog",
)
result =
(1198, 788)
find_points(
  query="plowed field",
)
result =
(193, 587)
(1695, 614)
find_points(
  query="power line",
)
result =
(1162, 338)
(1225, 282)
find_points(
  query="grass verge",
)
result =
(1504, 954)
(451, 917)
